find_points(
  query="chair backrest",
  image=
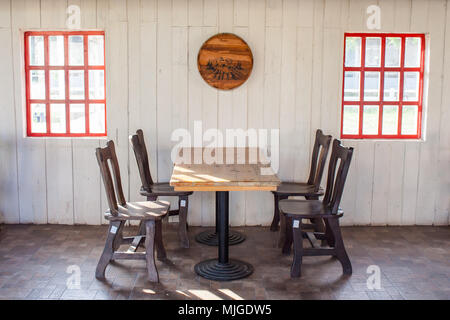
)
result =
(319, 157)
(336, 180)
(112, 190)
(140, 152)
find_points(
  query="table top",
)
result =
(223, 169)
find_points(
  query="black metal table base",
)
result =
(223, 268)
(232, 270)
(211, 238)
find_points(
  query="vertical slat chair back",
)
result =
(319, 157)
(140, 152)
(114, 191)
(336, 179)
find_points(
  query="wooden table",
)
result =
(235, 169)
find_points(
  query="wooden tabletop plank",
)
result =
(222, 169)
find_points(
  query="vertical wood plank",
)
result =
(241, 13)
(86, 174)
(5, 14)
(443, 201)
(274, 13)
(419, 13)
(180, 13)
(135, 117)
(305, 16)
(287, 91)
(428, 166)
(210, 13)
(117, 88)
(9, 197)
(164, 89)
(303, 96)
(194, 110)
(118, 10)
(317, 66)
(58, 151)
(179, 83)
(209, 120)
(30, 152)
(195, 12)
(148, 11)
(255, 85)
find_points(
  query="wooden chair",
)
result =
(149, 213)
(311, 189)
(327, 209)
(153, 190)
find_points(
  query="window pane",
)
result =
(36, 44)
(352, 52)
(38, 120)
(57, 118)
(350, 123)
(37, 84)
(409, 120)
(56, 50)
(76, 84)
(76, 52)
(373, 52)
(412, 52)
(392, 58)
(370, 120)
(97, 118)
(390, 119)
(371, 86)
(411, 86)
(96, 84)
(391, 84)
(57, 85)
(77, 118)
(351, 86)
(96, 51)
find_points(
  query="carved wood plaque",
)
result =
(225, 61)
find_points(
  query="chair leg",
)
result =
(108, 251)
(276, 213)
(341, 254)
(288, 236)
(298, 248)
(119, 237)
(150, 251)
(182, 221)
(160, 251)
(329, 233)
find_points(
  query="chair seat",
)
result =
(299, 189)
(144, 210)
(308, 209)
(163, 189)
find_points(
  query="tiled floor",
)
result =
(414, 264)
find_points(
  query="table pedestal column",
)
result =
(223, 268)
(211, 237)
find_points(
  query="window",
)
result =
(65, 83)
(383, 86)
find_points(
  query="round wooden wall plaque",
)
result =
(225, 61)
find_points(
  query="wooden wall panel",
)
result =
(295, 86)
(30, 152)
(9, 197)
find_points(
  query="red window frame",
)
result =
(382, 68)
(67, 101)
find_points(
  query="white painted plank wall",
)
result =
(153, 84)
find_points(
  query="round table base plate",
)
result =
(210, 238)
(214, 270)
